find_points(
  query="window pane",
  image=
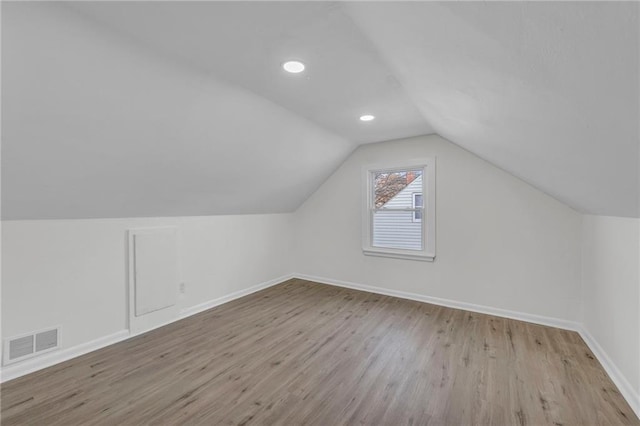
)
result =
(398, 210)
(417, 202)
(394, 189)
(396, 229)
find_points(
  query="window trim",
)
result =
(414, 219)
(428, 252)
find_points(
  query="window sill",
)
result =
(399, 254)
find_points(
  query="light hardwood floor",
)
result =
(307, 353)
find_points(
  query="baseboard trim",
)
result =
(623, 385)
(32, 365)
(14, 371)
(187, 312)
(520, 316)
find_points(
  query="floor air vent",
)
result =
(29, 345)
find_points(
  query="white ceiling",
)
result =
(245, 43)
(549, 91)
(114, 109)
(96, 126)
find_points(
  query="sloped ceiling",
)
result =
(548, 91)
(119, 109)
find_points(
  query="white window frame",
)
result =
(413, 205)
(428, 167)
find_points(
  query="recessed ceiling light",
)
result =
(293, 66)
(366, 117)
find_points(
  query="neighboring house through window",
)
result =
(399, 210)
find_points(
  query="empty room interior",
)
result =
(320, 213)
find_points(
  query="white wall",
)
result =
(611, 292)
(500, 242)
(73, 273)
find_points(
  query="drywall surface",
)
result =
(95, 125)
(73, 273)
(245, 42)
(545, 90)
(121, 109)
(500, 242)
(611, 290)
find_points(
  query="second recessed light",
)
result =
(366, 117)
(293, 66)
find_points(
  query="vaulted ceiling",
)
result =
(117, 109)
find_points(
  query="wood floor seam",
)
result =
(307, 353)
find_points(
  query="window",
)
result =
(399, 210)
(417, 204)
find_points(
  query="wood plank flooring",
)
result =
(306, 353)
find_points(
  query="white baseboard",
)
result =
(187, 312)
(521, 316)
(625, 388)
(633, 398)
(31, 365)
